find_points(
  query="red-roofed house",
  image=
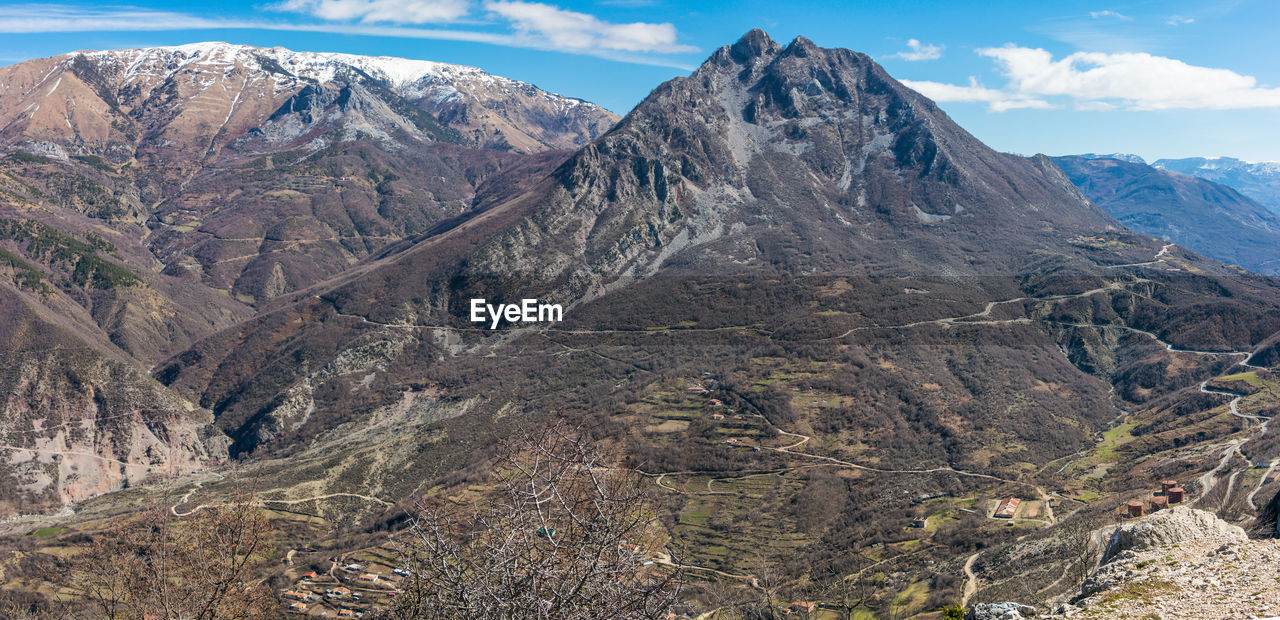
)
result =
(1007, 508)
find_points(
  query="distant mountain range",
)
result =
(1257, 180)
(1260, 181)
(1127, 157)
(1207, 217)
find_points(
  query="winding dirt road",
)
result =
(986, 312)
(1209, 480)
(664, 558)
(1261, 483)
(804, 439)
(84, 454)
(288, 502)
(971, 580)
(1159, 258)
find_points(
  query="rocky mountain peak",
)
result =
(756, 44)
(755, 109)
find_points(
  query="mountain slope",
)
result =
(733, 170)
(791, 198)
(796, 294)
(262, 171)
(77, 420)
(149, 196)
(1257, 180)
(1201, 215)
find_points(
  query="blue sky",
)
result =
(1157, 78)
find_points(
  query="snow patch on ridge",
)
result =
(441, 81)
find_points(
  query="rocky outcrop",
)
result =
(1000, 611)
(1170, 527)
(1180, 563)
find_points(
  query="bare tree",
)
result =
(563, 534)
(847, 593)
(160, 567)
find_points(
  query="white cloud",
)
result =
(383, 11)
(1131, 80)
(1178, 20)
(1096, 106)
(39, 18)
(1099, 81)
(631, 43)
(996, 100)
(561, 29)
(1111, 14)
(920, 51)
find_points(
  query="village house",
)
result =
(298, 607)
(1007, 508)
(370, 577)
(803, 607)
(717, 416)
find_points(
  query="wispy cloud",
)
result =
(561, 29)
(39, 18)
(1099, 81)
(996, 100)
(1179, 20)
(920, 51)
(1111, 14)
(381, 11)
(519, 24)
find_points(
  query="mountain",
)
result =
(766, 162)
(862, 282)
(1127, 157)
(198, 99)
(809, 306)
(150, 197)
(1257, 180)
(260, 171)
(1204, 216)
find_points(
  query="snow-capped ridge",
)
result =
(410, 76)
(203, 96)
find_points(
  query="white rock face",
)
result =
(1180, 563)
(1001, 611)
(1168, 527)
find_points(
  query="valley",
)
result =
(864, 365)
